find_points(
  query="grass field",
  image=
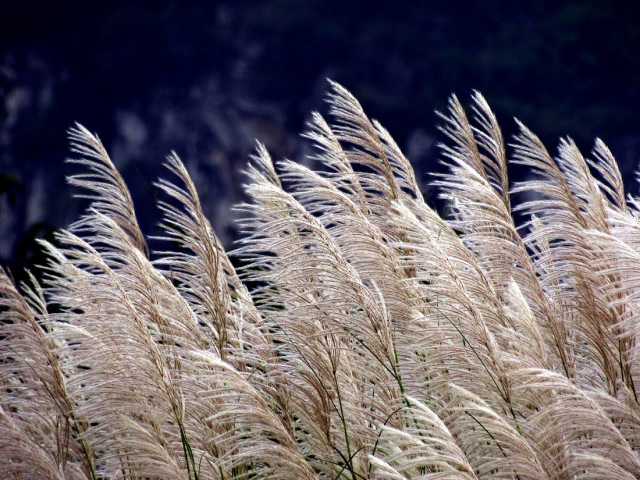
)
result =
(377, 341)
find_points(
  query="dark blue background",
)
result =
(206, 78)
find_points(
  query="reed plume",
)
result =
(377, 340)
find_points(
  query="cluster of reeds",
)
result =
(378, 340)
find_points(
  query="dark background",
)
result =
(208, 78)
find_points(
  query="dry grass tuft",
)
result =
(380, 341)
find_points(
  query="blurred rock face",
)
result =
(213, 132)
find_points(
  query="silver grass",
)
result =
(378, 340)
